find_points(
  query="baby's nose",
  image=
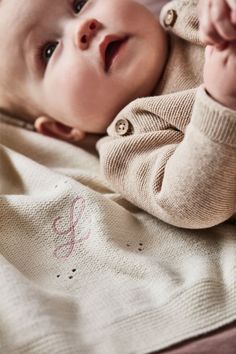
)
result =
(86, 32)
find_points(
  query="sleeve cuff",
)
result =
(213, 119)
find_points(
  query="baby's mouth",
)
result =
(110, 48)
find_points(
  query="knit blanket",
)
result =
(84, 271)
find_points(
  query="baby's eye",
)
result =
(47, 51)
(78, 5)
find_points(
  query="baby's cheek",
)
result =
(58, 95)
(77, 97)
(65, 82)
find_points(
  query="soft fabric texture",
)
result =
(178, 158)
(84, 271)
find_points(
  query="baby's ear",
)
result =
(50, 127)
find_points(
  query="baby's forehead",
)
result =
(16, 19)
(21, 14)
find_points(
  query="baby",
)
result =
(70, 67)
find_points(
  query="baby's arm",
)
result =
(185, 178)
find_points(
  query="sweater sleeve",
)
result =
(184, 174)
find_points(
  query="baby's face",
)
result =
(59, 53)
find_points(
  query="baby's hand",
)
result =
(217, 21)
(220, 73)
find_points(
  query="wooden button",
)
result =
(170, 18)
(123, 127)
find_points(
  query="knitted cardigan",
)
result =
(177, 160)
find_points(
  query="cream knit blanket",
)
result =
(83, 271)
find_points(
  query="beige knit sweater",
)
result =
(174, 154)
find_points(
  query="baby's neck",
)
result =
(89, 143)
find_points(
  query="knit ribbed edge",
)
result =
(150, 330)
(214, 120)
(54, 343)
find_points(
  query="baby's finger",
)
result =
(232, 4)
(207, 31)
(220, 17)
